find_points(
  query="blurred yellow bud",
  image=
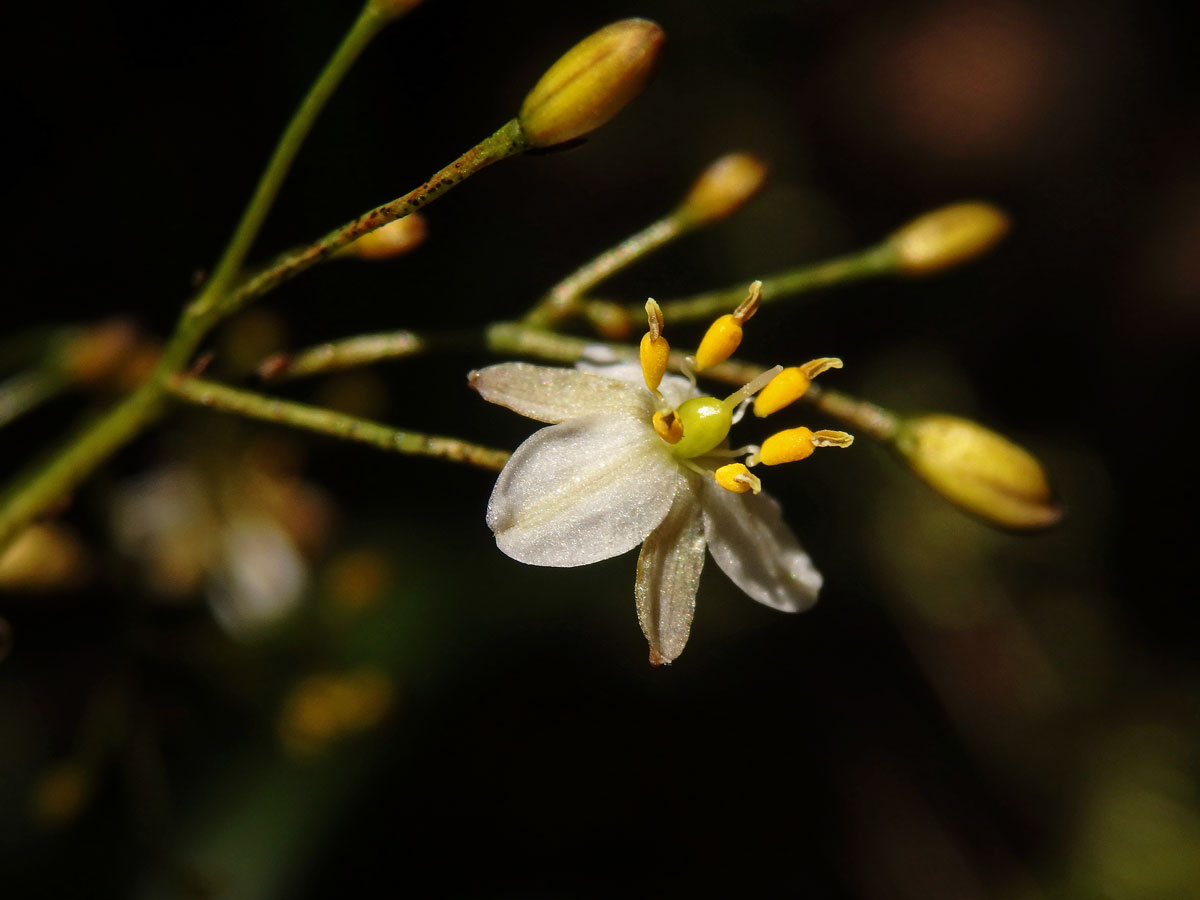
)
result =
(979, 470)
(592, 82)
(327, 707)
(99, 352)
(946, 237)
(393, 239)
(723, 187)
(611, 320)
(44, 557)
(60, 793)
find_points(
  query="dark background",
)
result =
(965, 714)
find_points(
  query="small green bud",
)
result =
(592, 82)
(946, 237)
(723, 187)
(979, 470)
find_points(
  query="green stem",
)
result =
(563, 300)
(507, 141)
(864, 417)
(345, 354)
(869, 263)
(37, 489)
(335, 424)
(368, 24)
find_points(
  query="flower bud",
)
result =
(393, 239)
(946, 237)
(723, 187)
(979, 470)
(592, 82)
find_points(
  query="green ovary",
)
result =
(706, 422)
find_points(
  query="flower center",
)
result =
(706, 422)
(699, 425)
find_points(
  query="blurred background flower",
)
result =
(966, 713)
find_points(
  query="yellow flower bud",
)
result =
(592, 82)
(723, 187)
(946, 237)
(611, 320)
(393, 239)
(979, 470)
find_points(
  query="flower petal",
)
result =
(668, 573)
(583, 491)
(674, 388)
(551, 394)
(757, 550)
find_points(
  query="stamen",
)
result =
(688, 370)
(654, 351)
(749, 306)
(737, 479)
(832, 439)
(725, 334)
(796, 444)
(791, 384)
(668, 426)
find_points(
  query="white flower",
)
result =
(600, 480)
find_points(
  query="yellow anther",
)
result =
(749, 306)
(721, 339)
(790, 385)
(787, 446)
(654, 351)
(736, 478)
(796, 444)
(724, 335)
(826, 438)
(669, 427)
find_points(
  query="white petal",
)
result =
(583, 491)
(668, 573)
(675, 388)
(551, 394)
(757, 550)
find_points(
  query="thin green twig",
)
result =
(325, 421)
(368, 24)
(334, 356)
(563, 300)
(35, 490)
(869, 263)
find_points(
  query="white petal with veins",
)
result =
(551, 394)
(668, 574)
(755, 548)
(583, 491)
